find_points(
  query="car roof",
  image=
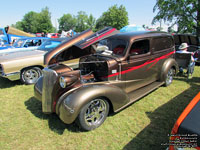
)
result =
(139, 34)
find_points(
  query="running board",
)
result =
(139, 93)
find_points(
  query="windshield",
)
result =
(112, 46)
(18, 43)
(49, 45)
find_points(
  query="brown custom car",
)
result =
(27, 65)
(126, 67)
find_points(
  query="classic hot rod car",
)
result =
(126, 67)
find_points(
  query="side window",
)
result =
(29, 43)
(139, 47)
(162, 43)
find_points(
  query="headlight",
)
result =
(63, 82)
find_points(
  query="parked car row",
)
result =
(85, 78)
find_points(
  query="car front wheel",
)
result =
(93, 114)
(30, 75)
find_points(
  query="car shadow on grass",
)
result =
(5, 83)
(55, 124)
(155, 135)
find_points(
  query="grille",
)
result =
(49, 79)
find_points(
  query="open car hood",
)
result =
(82, 40)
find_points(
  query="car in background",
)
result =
(125, 67)
(186, 130)
(23, 44)
(26, 65)
(55, 35)
(192, 41)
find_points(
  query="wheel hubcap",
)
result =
(31, 76)
(95, 112)
(169, 76)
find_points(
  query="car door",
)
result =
(138, 69)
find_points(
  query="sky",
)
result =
(139, 11)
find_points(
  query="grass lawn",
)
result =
(144, 125)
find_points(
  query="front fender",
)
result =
(170, 62)
(69, 105)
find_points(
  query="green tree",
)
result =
(29, 22)
(82, 19)
(116, 17)
(67, 22)
(44, 21)
(18, 25)
(91, 21)
(36, 22)
(100, 23)
(183, 13)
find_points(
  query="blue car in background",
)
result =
(24, 44)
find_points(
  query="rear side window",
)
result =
(139, 47)
(162, 43)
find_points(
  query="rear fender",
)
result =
(170, 62)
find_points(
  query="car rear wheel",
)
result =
(93, 114)
(169, 77)
(30, 75)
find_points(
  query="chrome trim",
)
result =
(49, 79)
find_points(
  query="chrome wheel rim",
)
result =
(95, 112)
(31, 76)
(169, 77)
